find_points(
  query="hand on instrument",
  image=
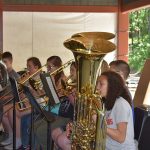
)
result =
(68, 130)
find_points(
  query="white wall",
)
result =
(42, 35)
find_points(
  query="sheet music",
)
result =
(147, 96)
(52, 89)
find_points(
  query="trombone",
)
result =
(35, 84)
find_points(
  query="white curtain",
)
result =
(41, 34)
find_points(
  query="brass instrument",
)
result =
(24, 104)
(37, 85)
(68, 85)
(22, 80)
(95, 35)
(89, 52)
(3, 77)
(29, 78)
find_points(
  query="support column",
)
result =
(123, 35)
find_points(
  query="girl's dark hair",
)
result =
(56, 61)
(116, 88)
(35, 61)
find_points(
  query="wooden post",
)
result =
(123, 35)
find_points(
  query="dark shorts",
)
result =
(41, 129)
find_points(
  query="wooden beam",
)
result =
(1, 27)
(60, 8)
(135, 5)
(122, 35)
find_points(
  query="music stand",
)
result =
(47, 115)
(49, 89)
(16, 99)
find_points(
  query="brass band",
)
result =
(81, 116)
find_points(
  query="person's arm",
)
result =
(72, 96)
(118, 134)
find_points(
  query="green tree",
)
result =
(139, 38)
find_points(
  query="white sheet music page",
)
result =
(53, 90)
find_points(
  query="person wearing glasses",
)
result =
(65, 110)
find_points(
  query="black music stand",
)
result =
(51, 93)
(49, 89)
(47, 115)
(16, 99)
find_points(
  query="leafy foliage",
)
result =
(140, 38)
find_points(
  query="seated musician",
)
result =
(122, 67)
(3, 88)
(6, 95)
(65, 113)
(120, 132)
(33, 64)
(7, 59)
(53, 63)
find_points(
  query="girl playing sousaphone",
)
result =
(120, 132)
